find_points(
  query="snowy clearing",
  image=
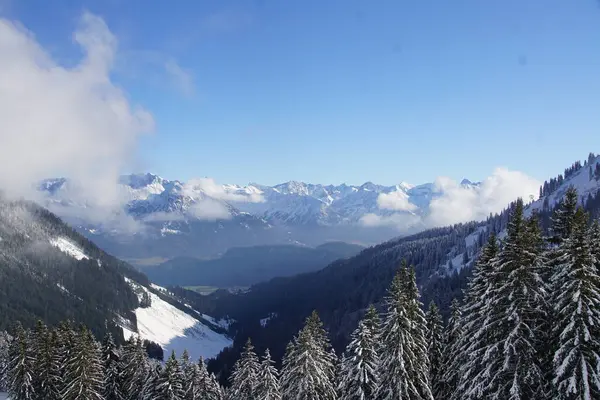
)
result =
(224, 323)
(68, 247)
(174, 330)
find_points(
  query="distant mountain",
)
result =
(245, 266)
(48, 271)
(200, 219)
(442, 257)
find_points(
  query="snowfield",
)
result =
(174, 330)
(69, 248)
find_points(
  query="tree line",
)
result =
(69, 364)
(528, 328)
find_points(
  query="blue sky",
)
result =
(348, 91)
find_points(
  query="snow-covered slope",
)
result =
(582, 178)
(68, 247)
(173, 329)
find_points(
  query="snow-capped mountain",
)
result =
(167, 218)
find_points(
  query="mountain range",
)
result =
(201, 219)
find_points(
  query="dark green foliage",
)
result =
(452, 356)
(244, 378)
(170, 381)
(84, 377)
(39, 281)
(404, 364)
(112, 368)
(21, 366)
(359, 375)
(435, 344)
(577, 317)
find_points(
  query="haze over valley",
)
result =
(288, 200)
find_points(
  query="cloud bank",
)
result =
(455, 203)
(57, 120)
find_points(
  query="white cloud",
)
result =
(65, 121)
(210, 210)
(454, 203)
(461, 204)
(401, 221)
(219, 192)
(397, 200)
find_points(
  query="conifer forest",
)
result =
(527, 327)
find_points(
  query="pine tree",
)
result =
(404, 364)
(21, 367)
(153, 371)
(452, 357)
(562, 221)
(134, 368)
(268, 380)
(244, 377)
(5, 340)
(63, 352)
(208, 386)
(517, 310)
(435, 343)
(475, 339)
(112, 365)
(577, 313)
(595, 244)
(47, 382)
(359, 371)
(189, 371)
(84, 378)
(308, 370)
(170, 382)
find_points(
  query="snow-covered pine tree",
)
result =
(84, 378)
(21, 367)
(308, 368)
(404, 363)
(66, 346)
(208, 385)
(152, 375)
(47, 382)
(360, 363)
(465, 356)
(577, 318)
(112, 365)
(170, 382)
(5, 340)
(435, 345)
(451, 355)
(268, 380)
(329, 360)
(595, 243)
(192, 385)
(215, 390)
(134, 368)
(517, 311)
(244, 377)
(562, 221)
(188, 370)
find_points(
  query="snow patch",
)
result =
(174, 330)
(265, 321)
(68, 247)
(224, 323)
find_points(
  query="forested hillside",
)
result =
(50, 272)
(442, 258)
(528, 328)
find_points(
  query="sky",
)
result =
(317, 91)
